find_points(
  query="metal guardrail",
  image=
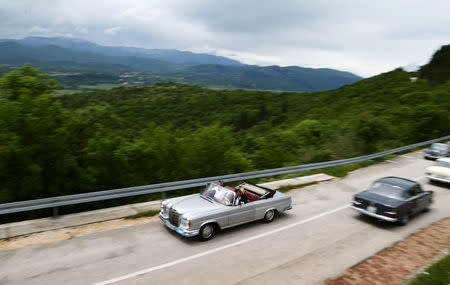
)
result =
(55, 202)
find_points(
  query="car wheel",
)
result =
(427, 207)
(269, 216)
(207, 232)
(404, 219)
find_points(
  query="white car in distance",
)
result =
(440, 171)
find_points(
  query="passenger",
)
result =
(229, 198)
(242, 197)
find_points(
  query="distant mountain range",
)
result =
(170, 55)
(160, 65)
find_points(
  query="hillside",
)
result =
(387, 98)
(141, 135)
(438, 69)
(81, 70)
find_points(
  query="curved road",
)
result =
(318, 239)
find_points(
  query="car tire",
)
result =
(269, 216)
(427, 208)
(404, 220)
(207, 232)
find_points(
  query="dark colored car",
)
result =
(393, 199)
(437, 150)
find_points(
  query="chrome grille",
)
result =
(174, 217)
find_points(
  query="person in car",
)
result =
(241, 198)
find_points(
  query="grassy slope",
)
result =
(436, 274)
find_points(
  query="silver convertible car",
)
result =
(217, 207)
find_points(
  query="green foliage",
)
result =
(369, 129)
(149, 213)
(286, 188)
(212, 148)
(164, 132)
(34, 159)
(343, 170)
(26, 81)
(438, 69)
(436, 274)
(311, 132)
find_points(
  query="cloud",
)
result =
(112, 31)
(82, 30)
(358, 36)
(38, 30)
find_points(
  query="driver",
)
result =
(241, 198)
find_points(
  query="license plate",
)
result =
(180, 231)
(372, 209)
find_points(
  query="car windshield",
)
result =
(439, 146)
(219, 194)
(442, 164)
(388, 190)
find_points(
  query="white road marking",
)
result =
(148, 270)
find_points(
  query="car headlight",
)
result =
(163, 209)
(185, 223)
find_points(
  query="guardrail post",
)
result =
(55, 212)
(163, 195)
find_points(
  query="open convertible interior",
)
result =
(254, 192)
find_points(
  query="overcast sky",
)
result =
(363, 37)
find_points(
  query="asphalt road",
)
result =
(318, 239)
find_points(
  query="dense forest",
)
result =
(132, 136)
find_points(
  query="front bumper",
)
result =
(179, 230)
(438, 178)
(381, 217)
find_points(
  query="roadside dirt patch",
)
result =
(68, 233)
(394, 264)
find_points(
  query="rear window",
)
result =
(439, 146)
(388, 190)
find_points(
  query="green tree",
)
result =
(438, 69)
(212, 150)
(33, 137)
(26, 81)
(369, 130)
(311, 132)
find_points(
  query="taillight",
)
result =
(356, 203)
(390, 213)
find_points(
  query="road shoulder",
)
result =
(394, 264)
